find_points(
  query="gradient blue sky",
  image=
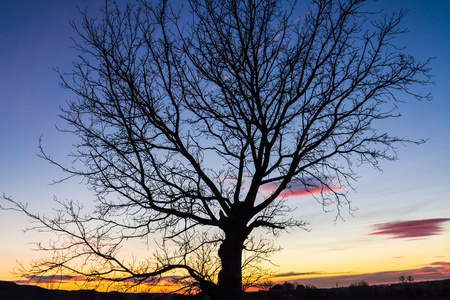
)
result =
(373, 244)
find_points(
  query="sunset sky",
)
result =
(401, 221)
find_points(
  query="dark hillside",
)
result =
(12, 291)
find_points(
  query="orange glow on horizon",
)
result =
(103, 286)
(428, 272)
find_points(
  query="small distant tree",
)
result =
(360, 289)
(196, 124)
(311, 292)
(363, 283)
(407, 289)
(277, 291)
(310, 287)
(289, 286)
(406, 279)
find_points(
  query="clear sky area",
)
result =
(400, 224)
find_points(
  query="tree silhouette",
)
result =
(196, 124)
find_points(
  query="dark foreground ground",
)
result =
(429, 290)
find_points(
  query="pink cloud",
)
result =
(443, 266)
(300, 189)
(411, 229)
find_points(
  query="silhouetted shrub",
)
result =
(277, 292)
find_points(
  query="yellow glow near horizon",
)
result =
(103, 286)
(323, 255)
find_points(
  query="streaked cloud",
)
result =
(299, 189)
(291, 274)
(411, 229)
(443, 266)
(50, 279)
(163, 284)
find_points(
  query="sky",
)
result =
(401, 221)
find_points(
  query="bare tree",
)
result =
(196, 123)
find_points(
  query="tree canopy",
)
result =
(196, 123)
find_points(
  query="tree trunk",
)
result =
(230, 277)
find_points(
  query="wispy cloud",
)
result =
(300, 189)
(291, 274)
(52, 280)
(410, 229)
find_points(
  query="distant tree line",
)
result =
(406, 289)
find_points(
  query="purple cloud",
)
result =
(411, 229)
(45, 279)
(299, 189)
(291, 274)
